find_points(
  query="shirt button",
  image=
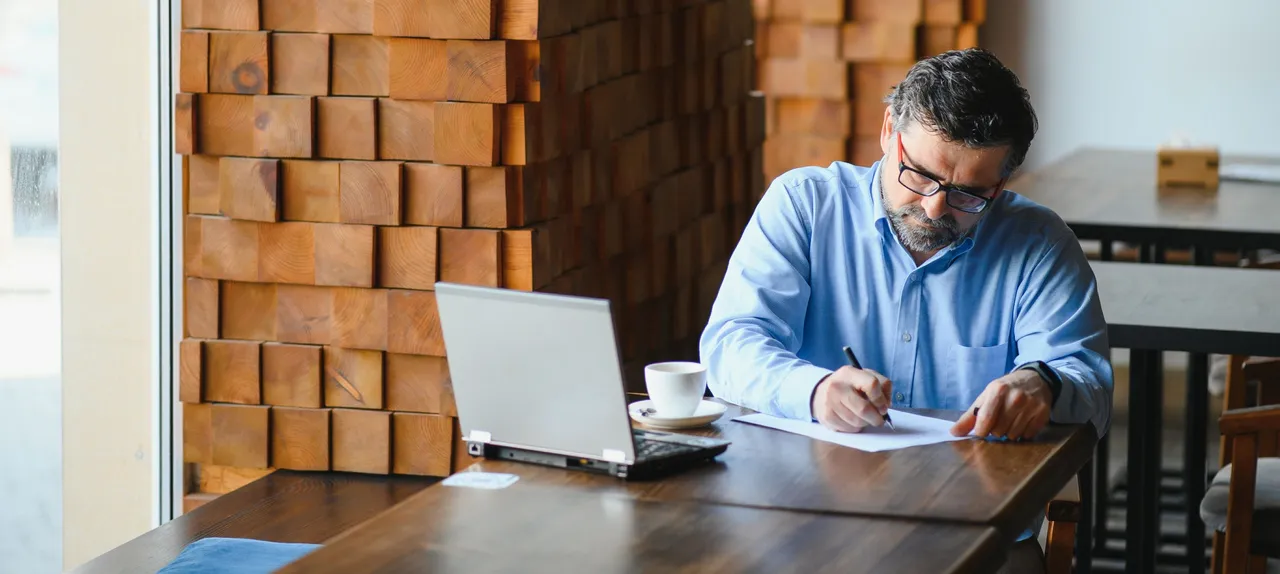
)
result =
(906, 337)
(898, 397)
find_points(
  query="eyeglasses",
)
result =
(926, 186)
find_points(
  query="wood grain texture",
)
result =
(419, 68)
(224, 15)
(413, 325)
(359, 318)
(300, 438)
(401, 18)
(525, 259)
(286, 253)
(231, 372)
(190, 370)
(283, 126)
(805, 78)
(344, 255)
(238, 62)
(203, 195)
(225, 124)
(217, 479)
(347, 128)
(883, 11)
(200, 307)
(809, 116)
(197, 433)
(241, 435)
(794, 39)
(361, 66)
(422, 444)
(416, 383)
(229, 249)
(300, 64)
(407, 257)
(193, 245)
(462, 19)
(481, 71)
(361, 441)
(309, 190)
(249, 188)
(344, 16)
(290, 15)
(493, 198)
(471, 256)
(521, 133)
(369, 192)
(873, 42)
(184, 124)
(352, 378)
(943, 12)
(291, 375)
(248, 310)
(406, 130)
(467, 134)
(303, 314)
(433, 194)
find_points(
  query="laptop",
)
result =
(537, 378)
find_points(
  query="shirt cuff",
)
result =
(796, 394)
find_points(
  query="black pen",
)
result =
(853, 362)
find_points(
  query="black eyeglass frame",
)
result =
(938, 186)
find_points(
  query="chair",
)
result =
(1063, 514)
(1242, 505)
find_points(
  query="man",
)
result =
(952, 292)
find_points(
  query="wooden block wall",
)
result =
(342, 156)
(826, 66)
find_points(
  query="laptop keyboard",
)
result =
(650, 449)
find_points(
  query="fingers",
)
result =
(864, 410)
(1018, 428)
(964, 425)
(992, 409)
(845, 420)
(876, 388)
(1014, 404)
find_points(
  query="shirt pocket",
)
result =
(970, 370)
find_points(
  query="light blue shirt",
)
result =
(820, 267)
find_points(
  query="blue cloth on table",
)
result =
(235, 555)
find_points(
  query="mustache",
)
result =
(947, 222)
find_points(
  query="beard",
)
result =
(917, 231)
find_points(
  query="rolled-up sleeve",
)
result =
(756, 325)
(1060, 321)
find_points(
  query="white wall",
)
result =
(1134, 73)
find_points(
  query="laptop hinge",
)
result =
(480, 436)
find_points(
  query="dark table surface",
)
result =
(1112, 194)
(534, 526)
(284, 506)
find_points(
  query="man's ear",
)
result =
(886, 133)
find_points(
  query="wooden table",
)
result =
(539, 527)
(284, 506)
(1154, 308)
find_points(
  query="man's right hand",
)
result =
(850, 399)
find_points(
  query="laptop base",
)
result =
(641, 470)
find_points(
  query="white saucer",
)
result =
(707, 412)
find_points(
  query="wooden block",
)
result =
(231, 372)
(241, 435)
(361, 441)
(525, 70)
(238, 62)
(225, 124)
(1187, 167)
(248, 310)
(909, 12)
(416, 383)
(467, 134)
(423, 444)
(197, 433)
(800, 40)
(868, 117)
(303, 314)
(935, 40)
(875, 81)
(300, 64)
(492, 197)
(419, 68)
(471, 256)
(462, 19)
(286, 253)
(414, 323)
(224, 15)
(401, 18)
(200, 306)
(532, 19)
(344, 255)
(966, 36)
(943, 12)
(359, 319)
(525, 259)
(975, 11)
(309, 190)
(863, 150)
(878, 41)
(406, 130)
(407, 257)
(291, 375)
(361, 66)
(816, 11)
(369, 192)
(282, 126)
(482, 71)
(203, 195)
(215, 479)
(521, 133)
(190, 370)
(193, 246)
(229, 249)
(249, 188)
(290, 15)
(433, 194)
(344, 16)
(347, 128)
(805, 78)
(814, 117)
(184, 124)
(352, 378)
(192, 501)
(300, 438)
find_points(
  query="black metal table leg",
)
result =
(1084, 528)
(1106, 253)
(1152, 453)
(1102, 489)
(1195, 450)
(1136, 560)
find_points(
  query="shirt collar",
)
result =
(880, 219)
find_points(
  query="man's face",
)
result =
(927, 224)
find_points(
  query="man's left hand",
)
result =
(1015, 406)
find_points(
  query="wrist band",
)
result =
(1050, 378)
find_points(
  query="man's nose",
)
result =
(935, 206)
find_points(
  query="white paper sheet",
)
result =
(912, 430)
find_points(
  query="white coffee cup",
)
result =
(676, 388)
